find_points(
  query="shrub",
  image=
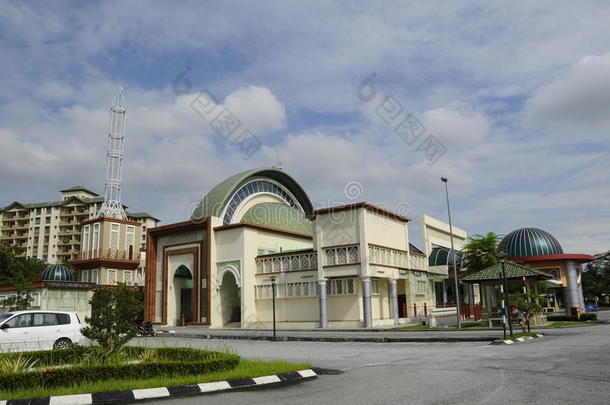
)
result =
(16, 364)
(171, 362)
(587, 316)
(114, 315)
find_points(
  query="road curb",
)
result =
(169, 392)
(517, 340)
(332, 339)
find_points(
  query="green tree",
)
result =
(528, 305)
(19, 273)
(114, 313)
(596, 276)
(481, 251)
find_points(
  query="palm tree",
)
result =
(481, 251)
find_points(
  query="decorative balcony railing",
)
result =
(339, 255)
(385, 256)
(419, 262)
(388, 257)
(107, 254)
(287, 262)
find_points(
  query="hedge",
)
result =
(76, 353)
(204, 362)
(586, 316)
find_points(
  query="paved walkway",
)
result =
(356, 335)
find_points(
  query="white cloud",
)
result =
(578, 98)
(456, 127)
(257, 108)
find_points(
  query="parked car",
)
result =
(39, 330)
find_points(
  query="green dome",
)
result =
(278, 215)
(530, 242)
(57, 272)
(441, 257)
(229, 193)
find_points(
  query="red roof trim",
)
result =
(545, 258)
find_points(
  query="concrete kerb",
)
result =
(335, 339)
(168, 392)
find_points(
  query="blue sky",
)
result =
(518, 95)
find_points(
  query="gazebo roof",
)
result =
(513, 271)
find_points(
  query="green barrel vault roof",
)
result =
(215, 200)
(513, 270)
(278, 215)
(530, 242)
(440, 257)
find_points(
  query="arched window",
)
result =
(257, 187)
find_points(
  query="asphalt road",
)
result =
(570, 366)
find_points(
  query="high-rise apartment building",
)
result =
(51, 231)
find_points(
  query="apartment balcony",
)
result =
(69, 232)
(285, 262)
(113, 258)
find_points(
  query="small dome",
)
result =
(57, 272)
(278, 215)
(440, 256)
(530, 242)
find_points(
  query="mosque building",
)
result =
(256, 235)
(541, 250)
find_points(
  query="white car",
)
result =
(39, 330)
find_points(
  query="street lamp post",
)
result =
(506, 300)
(273, 285)
(455, 278)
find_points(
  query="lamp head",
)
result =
(444, 179)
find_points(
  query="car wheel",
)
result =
(62, 343)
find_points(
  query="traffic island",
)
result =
(518, 338)
(84, 375)
(175, 391)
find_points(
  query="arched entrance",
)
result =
(230, 298)
(183, 287)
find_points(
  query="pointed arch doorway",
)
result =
(230, 298)
(183, 288)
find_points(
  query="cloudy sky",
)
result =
(518, 97)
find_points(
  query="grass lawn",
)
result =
(559, 324)
(245, 369)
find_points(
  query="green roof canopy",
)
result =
(78, 188)
(513, 270)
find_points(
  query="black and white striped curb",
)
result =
(167, 392)
(511, 341)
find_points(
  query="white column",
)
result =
(572, 295)
(366, 297)
(580, 293)
(323, 304)
(394, 295)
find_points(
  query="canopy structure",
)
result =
(513, 271)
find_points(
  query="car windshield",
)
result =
(5, 316)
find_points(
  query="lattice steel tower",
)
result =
(112, 207)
